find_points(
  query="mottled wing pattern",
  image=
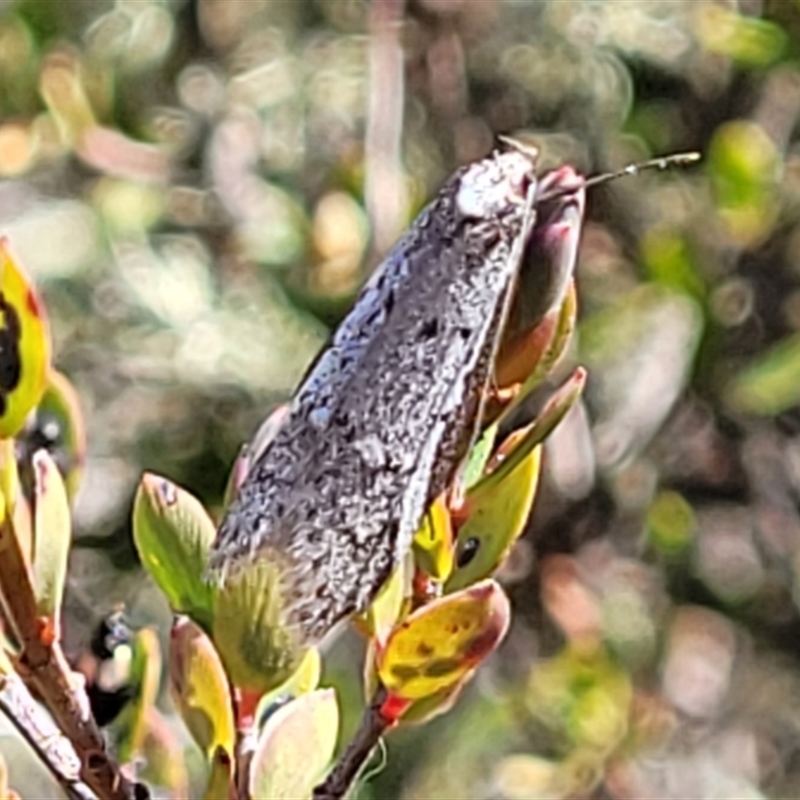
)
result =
(378, 427)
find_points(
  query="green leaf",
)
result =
(173, 535)
(259, 650)
(669, 261)
(479, 456)
(497, 515)
(200, 688)
(744, 38)
(52, 536)
(295, 747)
(436, 646)
(145, 676)
(25, 345)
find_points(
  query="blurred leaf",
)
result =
(670, 523)
(295, 747)
(743, 37)
(200, 688)
(524, 776)
(771, 383)
(162, 754)
(667, 258)
(584, 696)
(433, 542)
(173, 535)
(258, 648)
(52, 536)
(145, 676)
(63, 92)
(58, 425)
(639, 351)
(24, 345)
(743, 164)
(4, 790)
(437, 645)
(497, 515)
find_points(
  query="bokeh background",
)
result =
(200, 186)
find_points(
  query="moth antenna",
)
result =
(664, 162)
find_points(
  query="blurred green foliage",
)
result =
(193, 184)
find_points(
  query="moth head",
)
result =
(495, 185)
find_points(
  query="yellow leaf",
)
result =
(433, 542)
(24, 345)
(200, 688)
(437, 645)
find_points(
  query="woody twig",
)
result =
(43, 667)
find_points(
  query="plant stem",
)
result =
(350, 764)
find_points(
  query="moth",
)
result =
(381, 423)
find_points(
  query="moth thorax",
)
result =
(489, 187)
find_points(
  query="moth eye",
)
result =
(467, 551)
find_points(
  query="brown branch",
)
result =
(43, 667)
(48, 742)
(352, 761)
